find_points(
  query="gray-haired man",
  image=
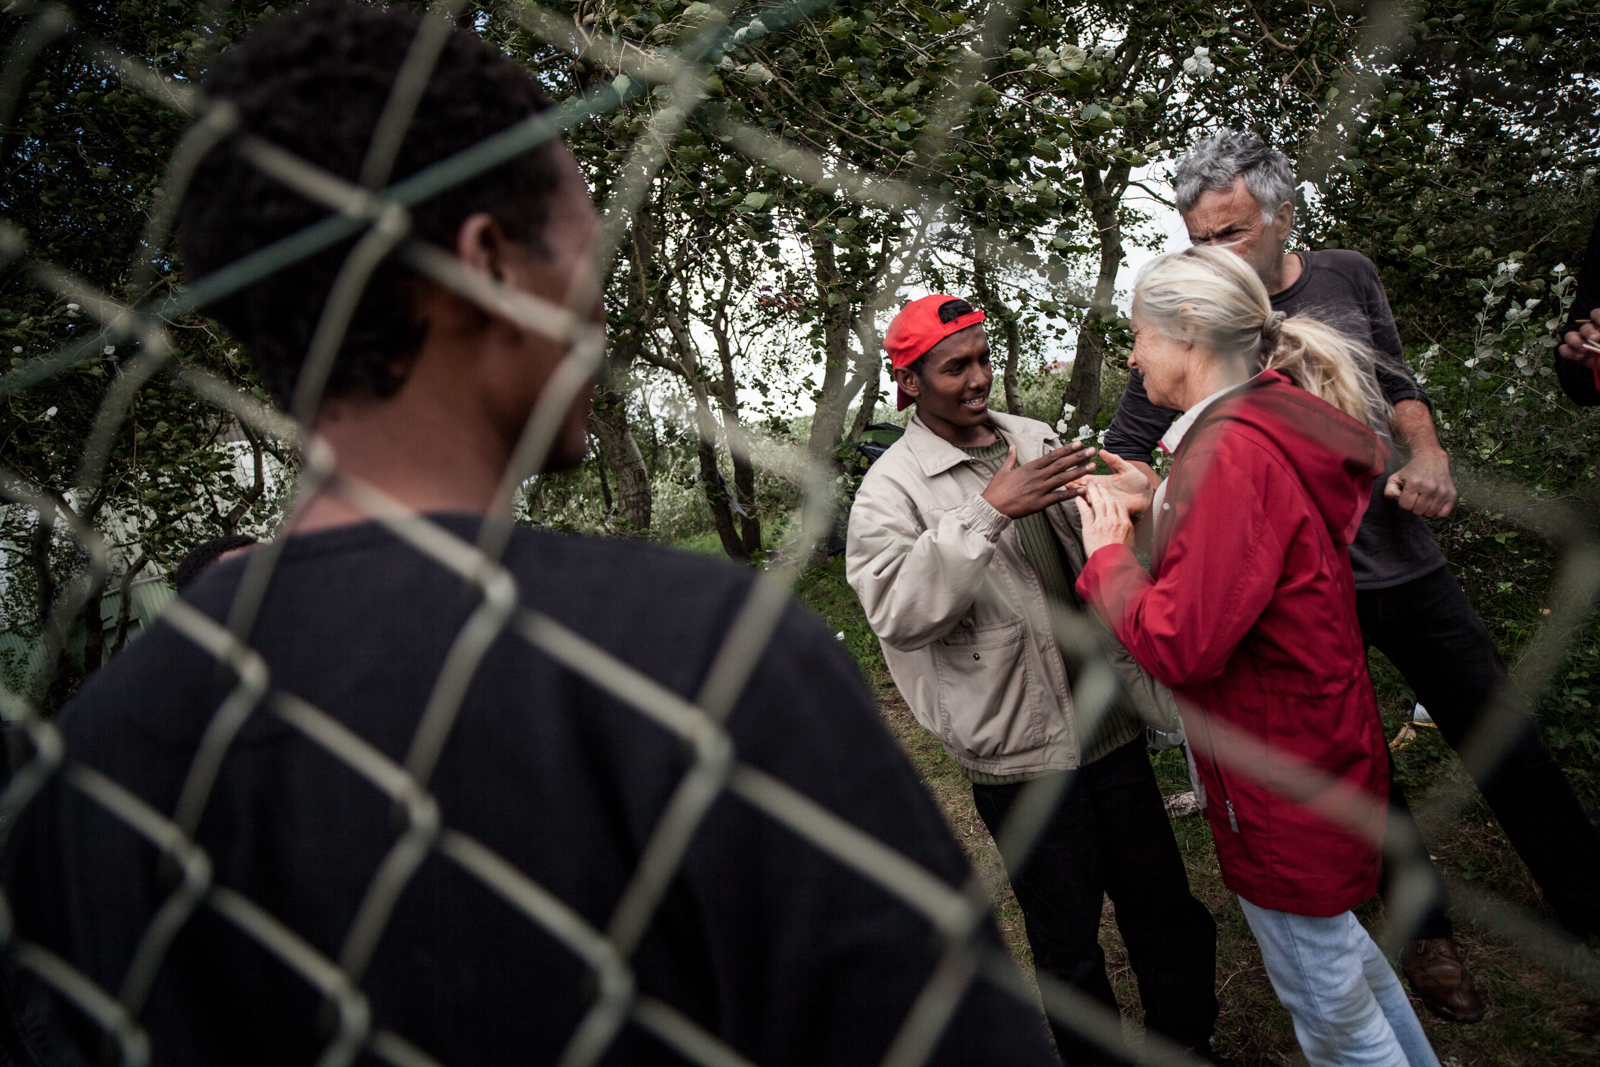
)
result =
(1235, 191)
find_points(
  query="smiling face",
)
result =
(951, 386)
(1230, 218)
(1165, 364)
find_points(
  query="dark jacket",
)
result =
(1580, 382)
(1251, 619)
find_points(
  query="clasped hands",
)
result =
(1108, 503)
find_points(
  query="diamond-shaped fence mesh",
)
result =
(376, 212)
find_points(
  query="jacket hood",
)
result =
(1335, 456)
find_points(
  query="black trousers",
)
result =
(1430, 632)
(1110, 835)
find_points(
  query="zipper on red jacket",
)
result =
(1216, 769)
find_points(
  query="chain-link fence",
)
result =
(375, 213)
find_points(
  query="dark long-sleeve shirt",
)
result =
(1342, 289)
(762, 938)
(1577, 379)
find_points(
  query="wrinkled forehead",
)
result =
(1219, 209)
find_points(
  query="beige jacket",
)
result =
(961, 613)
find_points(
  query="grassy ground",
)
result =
(1535, 1016)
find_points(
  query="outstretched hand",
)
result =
(1105, 518)
(1017, 492)
(1126, 483)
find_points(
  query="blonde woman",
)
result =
(1249, 615)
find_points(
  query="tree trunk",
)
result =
(833, 399)
(125, 606)
(869, 373)
(230, 521)
(744, 472)
(989, 301)
(706, 429)
(47, 684)
(608, 422)
(711, 480)
(608, 418)
(605, 484)
(839, 386)
(744, 486)
(1104, 194)
(869, 406)
(94, 634)
(44, 580)
(1013, 339)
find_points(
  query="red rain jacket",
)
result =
(1250, 618)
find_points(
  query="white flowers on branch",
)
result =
(1199, 65)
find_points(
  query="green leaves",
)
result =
(1072, 58)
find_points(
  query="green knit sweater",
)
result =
(1043, 549)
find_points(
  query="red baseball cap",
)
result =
(918, 328)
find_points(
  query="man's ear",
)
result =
(481, 245)
(907, 380)
(1283, 221)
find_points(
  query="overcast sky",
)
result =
(1165, 231)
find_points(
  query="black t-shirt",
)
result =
(762, 938)
(1342, 289)
(1577, 379)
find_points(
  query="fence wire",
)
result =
(377, 214)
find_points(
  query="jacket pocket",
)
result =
(985, 696)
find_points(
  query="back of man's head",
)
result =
(314, 82)
(1216, 161)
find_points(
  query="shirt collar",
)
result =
(1175, 433)
(935, 455)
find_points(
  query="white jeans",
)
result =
(1346, 1003)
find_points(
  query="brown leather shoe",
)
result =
(1441, 981)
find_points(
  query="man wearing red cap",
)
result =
(965, 561)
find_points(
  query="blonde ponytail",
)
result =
(1214, 299)
(1328, 364)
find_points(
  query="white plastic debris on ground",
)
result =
(1181, 804)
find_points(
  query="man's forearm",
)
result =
(1423, 486)
(1413, 427)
